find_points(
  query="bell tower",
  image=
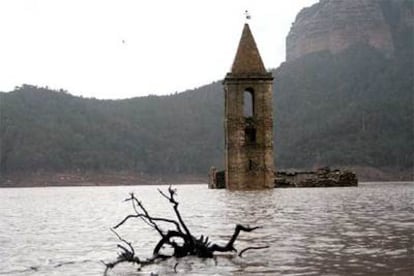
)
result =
(248, 119)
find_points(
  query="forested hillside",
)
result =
(346, 96)
(349, 109)
(352, 108)
(49, 130)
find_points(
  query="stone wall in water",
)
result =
(320, 178)
(323, 177)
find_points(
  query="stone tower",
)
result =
(248, 119)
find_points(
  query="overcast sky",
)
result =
(126, 48)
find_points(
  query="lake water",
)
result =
(365, 230)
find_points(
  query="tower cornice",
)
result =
(248, 77)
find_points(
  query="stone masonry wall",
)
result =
(249, 165)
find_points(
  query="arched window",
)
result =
(248, 103)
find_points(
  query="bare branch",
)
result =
(172, 200)
(124, 220)
(142, 216)
(252, 247)
(229, 246)
(123, 240)
(146, 217)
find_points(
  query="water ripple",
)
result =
(365, 230)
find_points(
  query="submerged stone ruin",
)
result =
(323, 177)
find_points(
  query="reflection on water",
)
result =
(365, 230)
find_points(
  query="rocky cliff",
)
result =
(335, 25)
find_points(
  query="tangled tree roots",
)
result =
(188, 245)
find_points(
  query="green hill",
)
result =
(353, 109)
(350, 109)
(52, 131)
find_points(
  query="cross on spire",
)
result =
(247, 14)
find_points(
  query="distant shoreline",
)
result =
(104, 185)
(91, 179)
(183, 184)
(126, 178)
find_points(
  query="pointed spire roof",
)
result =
(247, 60)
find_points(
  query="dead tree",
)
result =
(178, 237)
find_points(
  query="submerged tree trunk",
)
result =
(188, 244)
